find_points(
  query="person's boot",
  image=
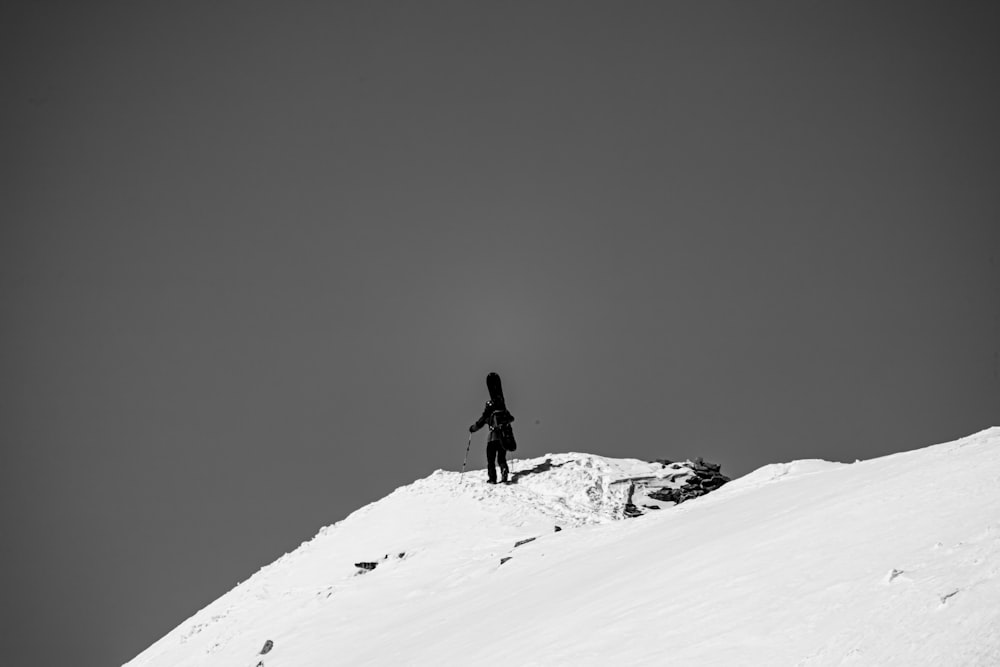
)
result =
(503, 477)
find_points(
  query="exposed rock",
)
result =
(631, 511)
(692, 479)
(367, 566)
(702, 466)
(947, 596)
(505, 559)
(665, 494)
(525, 541)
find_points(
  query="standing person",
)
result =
(501, 436)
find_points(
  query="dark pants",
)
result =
(495, 453)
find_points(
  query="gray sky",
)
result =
(256, 260)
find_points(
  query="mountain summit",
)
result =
(889, 561)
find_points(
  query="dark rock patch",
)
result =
(631, 511)
(696, 478)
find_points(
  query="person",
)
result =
(496, 449)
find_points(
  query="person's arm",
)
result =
(487, 411)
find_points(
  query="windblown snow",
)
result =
(891, 561)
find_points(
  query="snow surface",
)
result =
(892, 561)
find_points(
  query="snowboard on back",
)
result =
(501, 418)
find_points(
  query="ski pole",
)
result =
(467, 448)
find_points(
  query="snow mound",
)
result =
(892, 561)
(452, 524)
(775, 471)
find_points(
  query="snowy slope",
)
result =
(889, 561)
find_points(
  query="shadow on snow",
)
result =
(544, 466)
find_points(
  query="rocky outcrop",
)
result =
(367, 566)
(688, 479)
(629, 497)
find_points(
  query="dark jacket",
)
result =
(491, 407)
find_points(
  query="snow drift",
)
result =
(892, 561)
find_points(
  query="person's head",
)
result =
(493, 385)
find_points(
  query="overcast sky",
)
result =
(256, 260)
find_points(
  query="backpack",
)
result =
(500, 423)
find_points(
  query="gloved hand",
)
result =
(472, 429)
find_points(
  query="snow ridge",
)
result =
(451, 523)
(891, 561)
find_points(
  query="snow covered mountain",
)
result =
(892, 561)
